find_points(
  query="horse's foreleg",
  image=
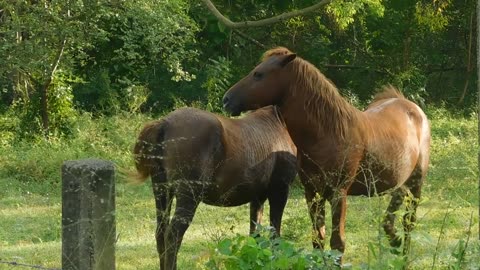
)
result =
(316, 209)
(389, 220)
(256, 213)
(185, 208)
(163, 201)
(339, 209)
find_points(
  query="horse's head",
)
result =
(265, 85)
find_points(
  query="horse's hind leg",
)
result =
(389, 221)
(163, 201)
(185, 208)
(277, 198)
(282, 176)
(256, 212)
(414, 183)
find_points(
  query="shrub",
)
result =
(263, 251)
(218, 79)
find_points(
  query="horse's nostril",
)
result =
(225, 100)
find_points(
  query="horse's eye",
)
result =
(257, 75)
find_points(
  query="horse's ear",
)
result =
(287, 59)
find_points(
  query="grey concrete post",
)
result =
(88, 215)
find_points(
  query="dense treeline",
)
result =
(60, 58)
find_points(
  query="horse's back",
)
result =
(399, 120)
(253, 145)
(398, 139)
(263, 131)
(256, 135)
(192, 142)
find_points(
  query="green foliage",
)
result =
(218, 79)
(345, 12)
(148, 45)
(95, 93)
(136, 96)
(62, 113)
(149, 31)
(164, 46)
(352, 98)
(113, 48)
(383, 257)
(412, 83)
(263, 251)
(37, 159)
(8, 131)
(431, 15)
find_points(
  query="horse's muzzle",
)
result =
(230, 107)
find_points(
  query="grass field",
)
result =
(30, 203)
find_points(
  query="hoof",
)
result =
(396, 242)
(395, 251)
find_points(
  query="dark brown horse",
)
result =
(341, 150)
(197, 156)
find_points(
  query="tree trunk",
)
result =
(478, 104)
(469, 61)
(44, 106)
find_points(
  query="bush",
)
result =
(61, 112)
(266, 252)
(38, 159)
(218, 79)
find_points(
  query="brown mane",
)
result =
(388, 91)
(275, 51)
(323, 102)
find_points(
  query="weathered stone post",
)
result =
(88, 215)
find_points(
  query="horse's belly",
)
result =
(234, 196)
(374, 181)
(368, 188)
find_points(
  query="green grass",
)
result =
(30, 202)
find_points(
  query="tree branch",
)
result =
(44, 89)
(381, 71)
(254, 41)
(59, 56)
(284, 16)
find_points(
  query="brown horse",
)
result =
(341, 150)
(197, 156)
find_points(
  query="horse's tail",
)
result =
(388, 91)
(148, 150)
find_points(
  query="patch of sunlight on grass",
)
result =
(31, 211)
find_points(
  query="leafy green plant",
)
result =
(218, 79)
(136, 96)
(264, 251)
(460, 251)
(61, 111)
(383, 256)
(412, 82)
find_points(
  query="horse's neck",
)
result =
(318, 117)
(254, 128)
